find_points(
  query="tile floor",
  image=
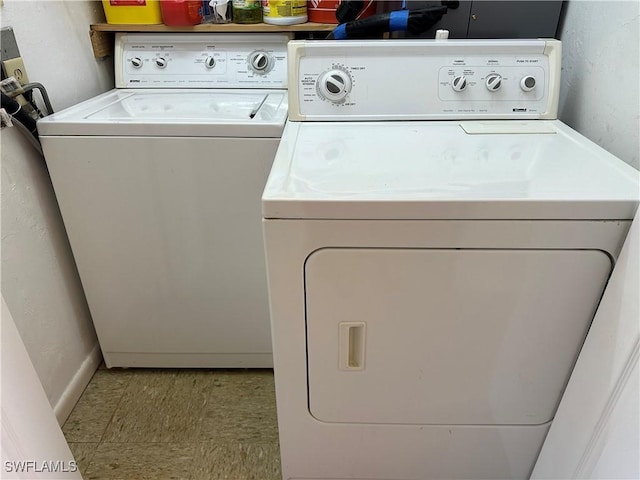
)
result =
(176, 424)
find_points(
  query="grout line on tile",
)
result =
(90, 459)
(113, 414)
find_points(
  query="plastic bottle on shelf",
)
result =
(247, 11)
(181, 12)
(284, 12)
(221, 11)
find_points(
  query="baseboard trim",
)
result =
(76, 386)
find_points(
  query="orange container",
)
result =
(132, 11)
(324, 11)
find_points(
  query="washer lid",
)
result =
(192, 113)
(440, 170)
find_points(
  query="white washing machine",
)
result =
(159, 184)
(437, 245)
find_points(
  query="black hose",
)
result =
(423, 20)
(413, 21)
(348, 10)
(14, 109)
(43, 92)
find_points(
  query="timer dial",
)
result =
(494, 82)
(459, 83)
(260, 62)
(334, 85)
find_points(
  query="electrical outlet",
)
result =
(12, 64)
(15, 68)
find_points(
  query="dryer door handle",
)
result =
(352, 345)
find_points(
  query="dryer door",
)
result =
(446, 336)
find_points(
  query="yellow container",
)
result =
(132, 11)
(284, 12)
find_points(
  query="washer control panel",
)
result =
(473, 83)
(409, 79)
(200, 60)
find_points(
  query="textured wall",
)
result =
(39, 279)
(599, 92)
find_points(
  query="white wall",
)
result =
(53, 38)
(39, 279)
(599, 92)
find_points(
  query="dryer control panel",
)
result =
(422, 79)
(200, 60)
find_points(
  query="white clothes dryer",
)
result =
(437, 246)
(159, 185)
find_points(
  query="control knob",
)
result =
(260, 62)
(161, 62)
(528, 83)
(210, 62)
(136, 62)
(494, 82)
(334, 85)
(459, 83)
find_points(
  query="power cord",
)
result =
(20, 112)
(17, 116)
